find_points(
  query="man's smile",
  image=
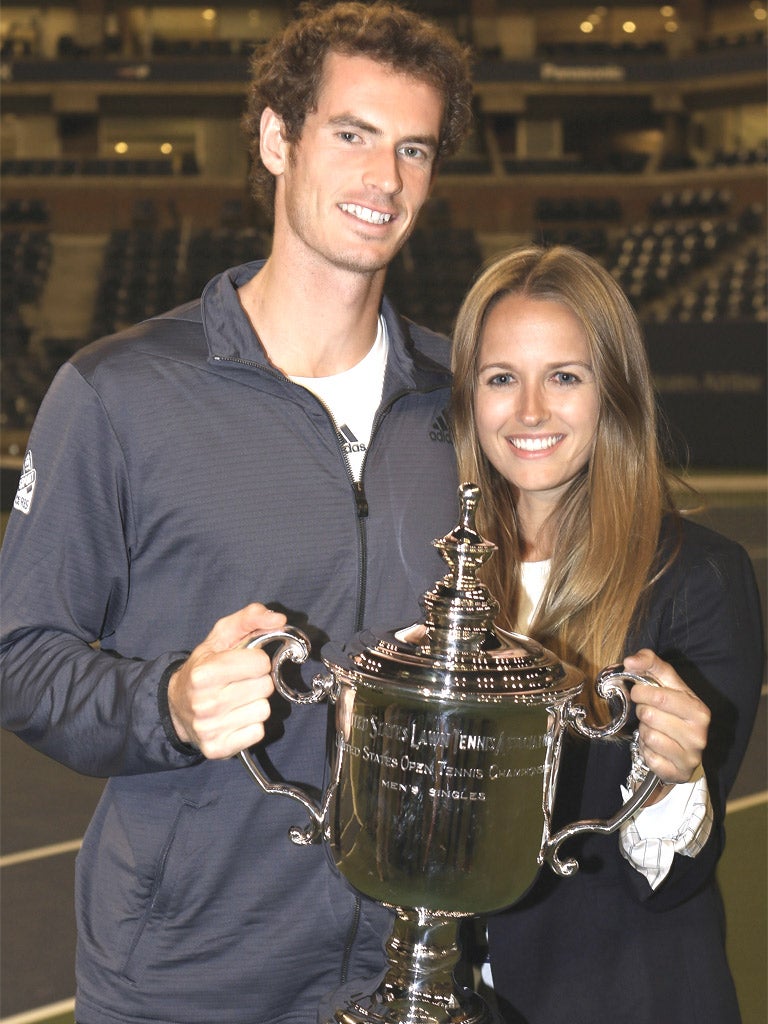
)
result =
(366, 214)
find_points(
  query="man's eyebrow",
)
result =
(354, 121)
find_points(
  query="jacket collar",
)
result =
(228, 330)
(230, 336)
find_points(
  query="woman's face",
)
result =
(537, 403)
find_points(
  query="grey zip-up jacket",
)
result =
(173, 476)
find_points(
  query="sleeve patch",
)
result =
(23, 500)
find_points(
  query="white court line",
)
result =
(742, 803)
(41, 1013)
(10, 859)
(750, 482)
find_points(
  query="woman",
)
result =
(554, 418)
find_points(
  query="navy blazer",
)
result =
(600, 947)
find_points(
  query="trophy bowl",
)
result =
(444, 767)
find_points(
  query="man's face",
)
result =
(352, 186)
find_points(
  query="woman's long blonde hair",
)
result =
(606, 526)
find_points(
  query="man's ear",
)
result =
(272, 145)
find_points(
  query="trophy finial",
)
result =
(469, 498)
(459, 608)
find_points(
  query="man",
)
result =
(185, 481)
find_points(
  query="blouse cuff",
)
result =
(679, 823)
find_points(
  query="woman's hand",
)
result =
(674, 722)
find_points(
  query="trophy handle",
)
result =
(610, 684)
(294, 647)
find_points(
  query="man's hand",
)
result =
(674, 723)
(219, 697)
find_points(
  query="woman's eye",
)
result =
(564, 377)
(500, 379)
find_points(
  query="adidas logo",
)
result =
(349, 442)
(441, 431)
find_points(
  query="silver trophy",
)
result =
(448, 736)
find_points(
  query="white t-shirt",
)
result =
(352, 398)
(533, 579)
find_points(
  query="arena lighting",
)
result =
(670, 26)
(121, 147)
(209, 14)
(629, 27)
(591, 22)
(667, 11)
(166, 148)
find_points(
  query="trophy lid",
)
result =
(458, 651)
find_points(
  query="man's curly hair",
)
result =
(286, 74)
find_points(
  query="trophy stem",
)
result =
(418, 987)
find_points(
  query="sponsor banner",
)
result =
(710, 379)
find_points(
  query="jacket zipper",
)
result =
(361, 503)
(358, 488)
